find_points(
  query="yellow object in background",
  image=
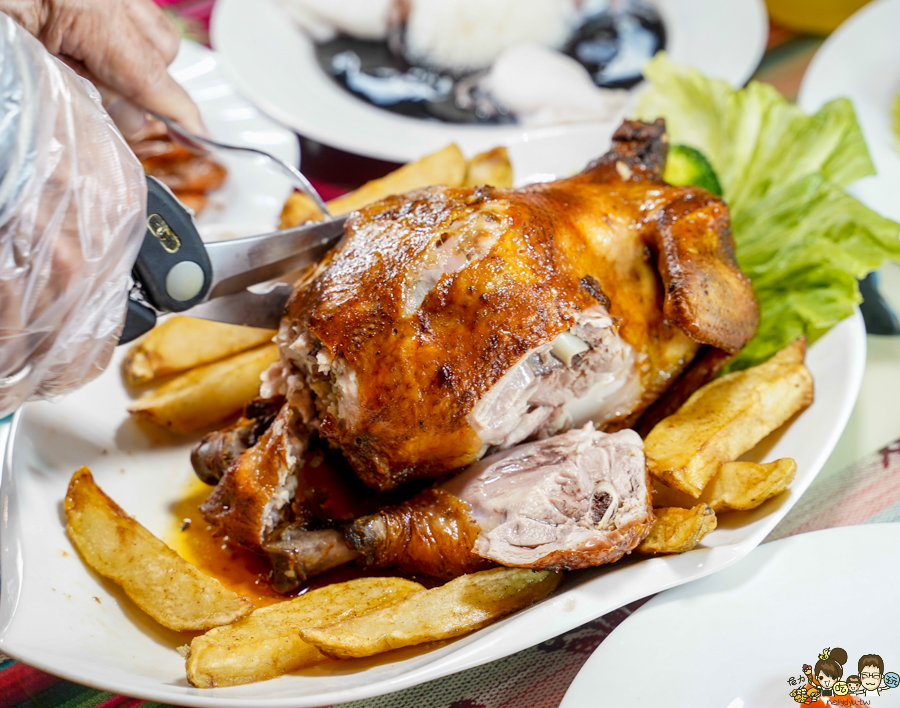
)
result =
(812, 16)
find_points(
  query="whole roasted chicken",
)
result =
(452, 323)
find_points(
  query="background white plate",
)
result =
(735, 638)
(861, 61)
(49, 616)
(273, 64)
(251, 198)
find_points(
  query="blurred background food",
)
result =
(534, 62)
(191, 177)
(813, 16)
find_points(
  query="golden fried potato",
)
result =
(447, 167)
(181, 343)
(746, 485)
(727, 417)
(459, 607)
(491, 167)
(678, 530)
(298, 209)
(267, 643)
(206, 394)
(737, 485)
(161, 583)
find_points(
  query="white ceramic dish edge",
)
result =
(759, 599)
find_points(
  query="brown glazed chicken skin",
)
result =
(453, 322)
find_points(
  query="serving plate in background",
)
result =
(861, 61)
(60, 617)
(734, 639)
(273, 64)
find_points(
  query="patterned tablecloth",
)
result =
(867, 492)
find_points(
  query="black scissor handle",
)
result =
(172, 272)
(172, 267)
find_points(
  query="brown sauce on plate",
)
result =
(246, 573)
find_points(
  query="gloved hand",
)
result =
(72, 212)
(123, 46)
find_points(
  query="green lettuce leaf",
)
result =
(801, 239)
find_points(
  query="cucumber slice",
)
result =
(687, 166)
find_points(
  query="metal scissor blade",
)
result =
(246, 307)
(243, 262)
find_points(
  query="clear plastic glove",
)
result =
(72, 211)
(123, 46)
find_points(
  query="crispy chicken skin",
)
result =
(255, 492)
(213, 455)
(434, 297)
(431, 534)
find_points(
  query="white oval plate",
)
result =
(861, 61)
(49, 616)
(273, 64)
(251, 198)
(736, 638)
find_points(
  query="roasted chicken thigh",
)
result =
(450, 323)
(575, 500)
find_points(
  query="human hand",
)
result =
(123, 46)
(72, 212)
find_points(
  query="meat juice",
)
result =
(337, 493)
(201, 545)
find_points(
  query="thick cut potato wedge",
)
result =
(746, 485)
(737, 485)
(447, 167)
(678, 530)
(491, 167)
(727, 417)
(206, 394)
(161, 583)
(459, 607)
(181, 343)
(267, 643)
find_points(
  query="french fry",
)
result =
(158, 580)
(678, 530)
(491, 167)
(181, 343)
(298, 209)
(727, 417)
(746, 485)
(267, 643)
(208, 393)
(446, 166)
(459, 607)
